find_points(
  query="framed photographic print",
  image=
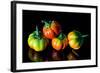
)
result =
(47, 36)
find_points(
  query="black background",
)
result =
(68, 21)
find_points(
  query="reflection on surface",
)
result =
(51, 56)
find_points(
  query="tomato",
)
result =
(75, 39)
(35, 56)
(51, 29)
(60, 42)
(36, 41)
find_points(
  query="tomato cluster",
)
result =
(52, 34)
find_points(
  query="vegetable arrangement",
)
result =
(52, 35)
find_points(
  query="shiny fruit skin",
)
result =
(59, 44)
(51, 30)
(48, 33)
(38, 44)
(75, 40)
(74, 44)
(55, 26)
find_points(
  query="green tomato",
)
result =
(36, 41)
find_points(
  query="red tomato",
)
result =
(51, 29)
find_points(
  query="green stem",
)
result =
(44, 22)
(37, 32)
(47, 24)
(61, 36)
(84, 36)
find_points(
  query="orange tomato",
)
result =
(75, 39)
(59, 43)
